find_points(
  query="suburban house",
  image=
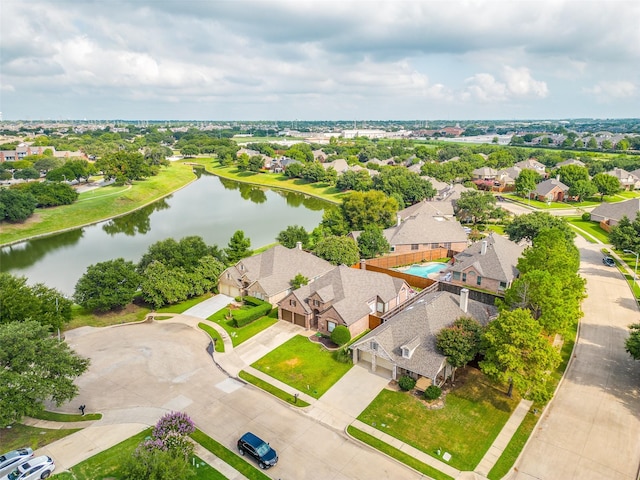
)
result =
(628, 181)
(552, 190)
(268, 275)
(344, 296)
(532, 164)
(484, 173)
(609, 214)
(489, 264)
(405, 344)
(571, 161)
(425, 226)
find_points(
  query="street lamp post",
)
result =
(635, 270)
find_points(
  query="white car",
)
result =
(10, 460)
(32, 469)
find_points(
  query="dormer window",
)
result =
(373, 345)
(406, 353)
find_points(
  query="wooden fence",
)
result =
(396, 260)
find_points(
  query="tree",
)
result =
(255, 164)
(632, 344)
(606, 184)
(314, 172)
(515, 351)
(15, 205)
(238, 247)
(372, 242)
(572, 174)
(526, 182)
(334, 222)
(293, 234)
(51, 194)
(528, 226)
(607, 144)
(340, 335)
(582, 189)
(359, 181)
(155, 464)
(107, 285)
(626, 234)
(460, 343)
(552, 252)
(298, 281)
(338, 250)
(592, 143)
(185, 254)
(475, 205)
(409, 185)
(362, 209)
(27, 174)
(161, 286)
(189, 150)
(34, 367)
(20, 302)
(124, 166)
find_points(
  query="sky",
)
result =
(319, 60)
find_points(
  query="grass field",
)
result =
(593, 228)
(242, 334)
(18, 436)
(67, 417)
(474, 413)
(215, 336)
(275, 391)
(304, 365)
(100, 204)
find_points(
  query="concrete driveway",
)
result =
(591, 430)
(208, 307)
(139, 372)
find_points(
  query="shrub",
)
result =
(340, 335)
(342, 355)
(253, 301)
(586, 216)
(432, 392)
(406, 383)
(246, 316)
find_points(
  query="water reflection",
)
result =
(26, 254)
(138, 222)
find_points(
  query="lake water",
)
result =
(210, 207)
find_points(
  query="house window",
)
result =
(464, 277)
(380, 306)
(415, 246)
(405, 352)
(503, 285)
(456, 275)
(293, 303)
(331, 326)
(479, 280)
(393, 248)
(316, 303)
(373, 345)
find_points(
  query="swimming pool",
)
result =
(425, 270)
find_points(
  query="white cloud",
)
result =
(516, 82)
(612, 90)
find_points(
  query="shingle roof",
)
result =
(615, 211)
(423, 319)
(543, 188)
(425, 228)
(274, 268)
(498, 263)
(433, 208)
(350, 289)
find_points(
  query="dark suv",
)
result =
(258, 449)
(608, 261)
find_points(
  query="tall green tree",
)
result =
(338, 250)
(461, 342)
(626, 234)
(606, 184)
(20, 302)
(238, 248)
(34, 368)
(632, 343)
(107, 285)
(552, 252)
(528, 226)
(526, 182)
(362, 209)
(476, 206)
(293, 234)
(405, 183)
(516, 351)
(572, 174)
(15, 205)
(372, 242)
(582, 189)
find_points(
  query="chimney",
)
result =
(558, 177)
(464, 299)
(299, 245)
(363, 264)
(483, 247)
(399, 220)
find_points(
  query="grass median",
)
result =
(275, 391)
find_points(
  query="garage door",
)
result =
(384, 367)
(286, 315)
(299, 320)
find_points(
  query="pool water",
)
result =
(425, 270)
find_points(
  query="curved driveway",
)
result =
(139, 372)
(591, 429)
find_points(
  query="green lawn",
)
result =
(514, 447)
(67, 417)
(215, 336)
(100, 204)
(399, 455)
(239, 335)
(81, 317)
(473, 415)
(590, 227)
(275, 391)
(183, 306)
(19, 435)
(304, 365)
(277, 180)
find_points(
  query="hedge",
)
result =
(246, 316)
(253, 301)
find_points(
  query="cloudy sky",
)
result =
(319, 60)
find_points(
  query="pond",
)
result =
(211, 207)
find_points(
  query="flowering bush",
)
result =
(177, 422)
(171, 434)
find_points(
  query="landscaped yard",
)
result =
(593, 228)
(24, 436)
(304, 365)
(215, 336)
(473, 415)
(242, 334)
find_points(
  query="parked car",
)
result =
(10, 460)
(32, 469)
(258, 449)
(608, 261)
